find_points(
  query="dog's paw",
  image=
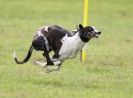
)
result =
(48, 69)
(50, 63)
(57, 63)
(52, 68)
(39, 63)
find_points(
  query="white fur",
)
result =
(44, 27)
(39, 33)
(14, 54)
(50, 68)
(57, 63)
(70, 46)
(39, 63)
(46, 43)
(95, 29)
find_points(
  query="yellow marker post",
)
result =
(85, 23)
(86, 12)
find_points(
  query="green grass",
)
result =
(109, 69)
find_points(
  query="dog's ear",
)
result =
(80, 26)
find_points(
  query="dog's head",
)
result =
(88, 32)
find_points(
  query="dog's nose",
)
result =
(99, 32)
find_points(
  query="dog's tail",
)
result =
(25, 59)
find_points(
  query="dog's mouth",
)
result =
(96, 34)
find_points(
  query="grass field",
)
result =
(108, 72)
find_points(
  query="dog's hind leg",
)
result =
(46, 53)
(49, 61)
(56, 49)
(41, 44)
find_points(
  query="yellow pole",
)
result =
(85, 23)
(86, 11)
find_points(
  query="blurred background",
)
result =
(108, 71)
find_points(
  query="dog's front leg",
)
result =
(49, 68)
(40, 64)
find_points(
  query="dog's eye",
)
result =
(87, 33)
(91, 29)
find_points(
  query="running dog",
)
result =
(62, 42)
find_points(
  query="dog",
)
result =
(62, 42)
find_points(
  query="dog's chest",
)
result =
(70, 47)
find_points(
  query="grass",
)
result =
(108, 72)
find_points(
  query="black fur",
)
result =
(26, 58)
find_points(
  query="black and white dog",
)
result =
(62, 42)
